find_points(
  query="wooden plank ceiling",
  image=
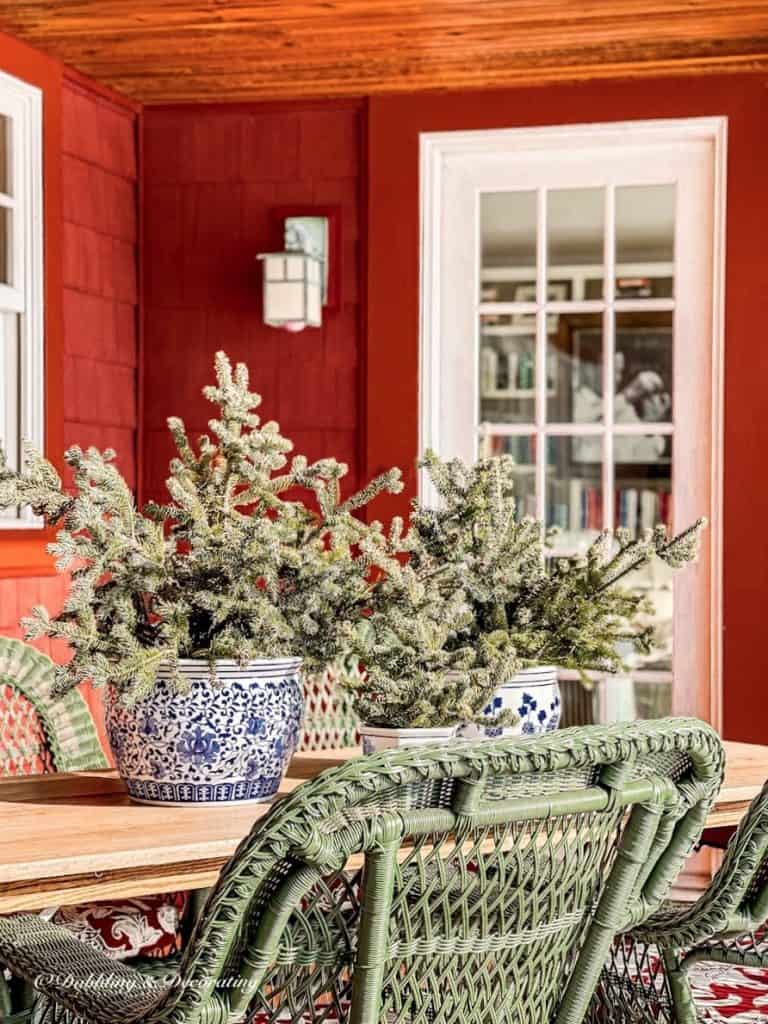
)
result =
(192, 50)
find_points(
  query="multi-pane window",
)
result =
(575, 324)
(570, 297)
(21, 277)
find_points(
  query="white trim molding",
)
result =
(719, 140)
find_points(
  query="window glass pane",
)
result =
(574, 490)
(625, 698)
(507, 241)
(574, 367)
(645, 241)
(655, 582)
(643, 497)
(5, 155)
(643, 368)
(574, 232)
(5, 244)
(522, 448)
(643, 467)
(507, 370)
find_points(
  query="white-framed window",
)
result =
(22, 380)
(571, 315)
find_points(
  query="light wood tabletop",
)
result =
(71, 838)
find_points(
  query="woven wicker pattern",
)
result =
(466, 883)
(37, 732)
(329, 720)
(23, 744)
(648, 967)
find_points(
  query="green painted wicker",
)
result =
(329, 719)
(492, 880)
(37, 733)
(648, 968)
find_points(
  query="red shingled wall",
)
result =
(99, 172)
(212, 175)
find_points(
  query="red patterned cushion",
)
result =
(736, 995)
(149, 926)
(723, 993)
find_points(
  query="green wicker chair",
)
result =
(648, 969)
(439, 885)
(37, 733)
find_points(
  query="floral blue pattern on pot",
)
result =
(228, 740)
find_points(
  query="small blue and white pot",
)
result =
(221, 742)
(534, 696)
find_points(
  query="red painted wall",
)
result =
(211, 177)
(393, 307)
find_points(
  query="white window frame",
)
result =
(441, 151)
(22, 104)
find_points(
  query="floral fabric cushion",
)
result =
(149, 926)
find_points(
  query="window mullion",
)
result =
(609, 349)
(540, 376)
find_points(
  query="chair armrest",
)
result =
(74, 974)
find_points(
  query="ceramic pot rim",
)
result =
(232, 663)
(412, 732)
(535, 670)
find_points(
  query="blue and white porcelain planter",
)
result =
(226, 741)
(534, 695)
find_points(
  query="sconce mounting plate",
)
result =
(323, 226)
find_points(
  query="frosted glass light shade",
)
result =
(292, 290)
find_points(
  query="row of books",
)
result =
(521, 447)
(502, 372)
(640, 509)
(636, 509)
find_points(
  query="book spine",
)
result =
(575, 505)
(632, 509)
(489, 367)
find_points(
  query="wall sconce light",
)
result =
(296, 279)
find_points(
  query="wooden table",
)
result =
(71, 838)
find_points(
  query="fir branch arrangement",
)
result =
(231, 567)
(422, 669)
(570, 612)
